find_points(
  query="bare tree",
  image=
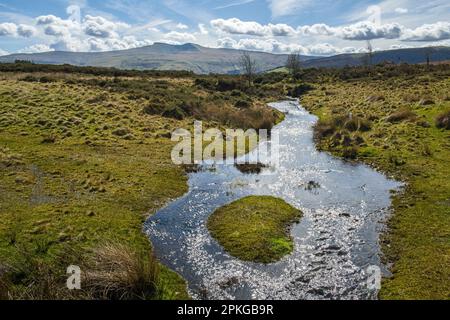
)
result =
(293, 63)
(248, 67)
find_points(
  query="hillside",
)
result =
(202, 60)
(411, 56)
(158, 56)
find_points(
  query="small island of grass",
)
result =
(255, 228)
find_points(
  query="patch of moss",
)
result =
(255, 228)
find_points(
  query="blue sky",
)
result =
(307, 26)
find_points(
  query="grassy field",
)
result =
(255, 228)
(398, 122)
(84, 159)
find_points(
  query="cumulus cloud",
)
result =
(429, 32)
(13, 30)
(182, 26)
(181, 37)
(8, 29)
(36, 49)
(26, 31)
(369, 31)
(99, 27)
(3, 52)
(237, 26)
(273, 45)
(203, 29)
(359, 31)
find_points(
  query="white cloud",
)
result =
(369, 31)
(286, 7)
(181, 26)
(99, 27)
(181, 37)
(3, 52)
(8, 29)
(203, 29)
(36, 49)
(429, 32)
(13, 30)
(401, 10)
(237, 26)
(273, 45)
(26, 31)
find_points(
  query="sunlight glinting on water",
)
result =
(336, 240)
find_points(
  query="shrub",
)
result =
(300, 90)
(205, 83)
(350, 153)
(174, 112)
(228, 85)
(443, 120)
(324, 129)
(243, 104)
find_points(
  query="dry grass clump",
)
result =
(401, 115)
(326, 128)
(118, 272)
(443, 120)
(112, 271)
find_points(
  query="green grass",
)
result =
(86, 158)
(255, 228)
(411, 149)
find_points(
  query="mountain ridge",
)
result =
(204, 60)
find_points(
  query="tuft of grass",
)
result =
(401, 115)
(443, 120)
(118, 272)
(255, 228)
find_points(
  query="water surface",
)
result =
(335, 242)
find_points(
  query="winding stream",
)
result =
(335, 242)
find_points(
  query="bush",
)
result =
(300, 90)
(443, 120)
(228, 85)
(350, 153)
(243, 104)
(324, 129)
(174, 112)
(205, 83)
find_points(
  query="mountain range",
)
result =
(202, 60)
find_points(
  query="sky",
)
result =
(308, 27)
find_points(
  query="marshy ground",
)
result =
(397, 121)
(85, 159)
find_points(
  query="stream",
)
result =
(336, 240)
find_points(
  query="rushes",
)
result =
(117, 272)
(111, 271)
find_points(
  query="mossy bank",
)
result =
(393, 118)
(255, 228)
